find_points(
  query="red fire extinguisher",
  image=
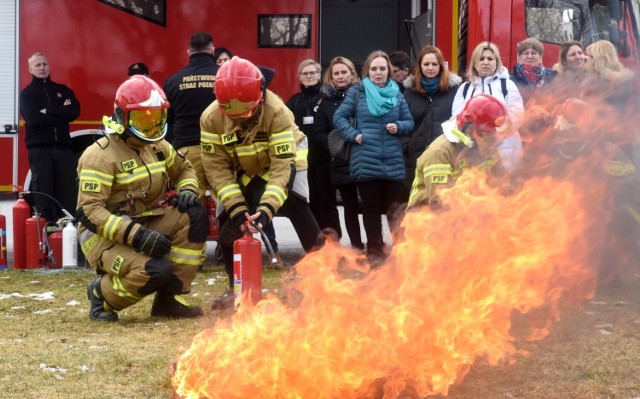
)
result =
(36, 255)
(21, 212)
(213, 219)
(3, 242)
(55, 242)
(247, 267)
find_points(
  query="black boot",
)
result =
(166, 304)
(97, 311)
(224, 301)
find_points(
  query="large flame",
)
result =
(443, 299)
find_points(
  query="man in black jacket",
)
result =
(48, 108)
(190, 91)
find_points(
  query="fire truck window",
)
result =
(546, 24)
(557, 21)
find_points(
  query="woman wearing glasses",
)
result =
(304, 105)
(528, 73)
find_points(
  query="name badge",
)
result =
(307, 120)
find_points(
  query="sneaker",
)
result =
(224, 301)
(166, 304)
(97, 310)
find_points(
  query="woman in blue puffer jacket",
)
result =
(377, 162)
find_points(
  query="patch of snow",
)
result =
(605, 332)
(52, 369)
(73, 303)
(13, 295)
(43, 311)
(42, 297)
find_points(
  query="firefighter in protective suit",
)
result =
(255, 159)
(137, 243)
(581, 152)
(469, 139)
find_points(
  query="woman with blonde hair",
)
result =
(429, 93)
(606, 78)
(487, 75)
(339, 76)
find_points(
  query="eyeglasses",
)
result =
(308, 74)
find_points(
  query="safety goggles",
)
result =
(239, 109)
(148, 123)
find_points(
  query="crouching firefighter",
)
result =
(470, 140)
(255, 159)
(137, 244)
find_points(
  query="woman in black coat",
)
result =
(339, 76)
(430, 95)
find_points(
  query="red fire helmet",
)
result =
(572, 114)
(484, 112)
(141, 107)
(239, 88)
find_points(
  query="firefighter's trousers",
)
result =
(130, 275)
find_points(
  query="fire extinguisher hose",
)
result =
(48, 247)
(25, 193)
(274, 260)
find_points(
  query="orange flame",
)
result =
(442, 300)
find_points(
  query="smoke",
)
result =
(527, 242)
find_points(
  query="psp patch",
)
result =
(439, 179)
(228, 138)
(90, 186)
(208, 148)
(283, 150)
(117, 264)
(129, 165)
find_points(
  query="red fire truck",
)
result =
(91, 43)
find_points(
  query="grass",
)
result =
(50, 348)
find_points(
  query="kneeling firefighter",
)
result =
(137, 243)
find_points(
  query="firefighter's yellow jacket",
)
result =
(118, 180)
(443, 162)
(271, 147)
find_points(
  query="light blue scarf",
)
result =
(380, 100)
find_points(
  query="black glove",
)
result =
(151, 242)
(185, 200)
(263, 219)
(240, 218)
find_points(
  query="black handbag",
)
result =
(338, 147)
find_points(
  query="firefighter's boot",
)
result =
(100, 310)
(166, 304)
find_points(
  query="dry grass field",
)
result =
(51, 350)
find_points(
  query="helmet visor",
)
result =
(149, 124)
(238, 109)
